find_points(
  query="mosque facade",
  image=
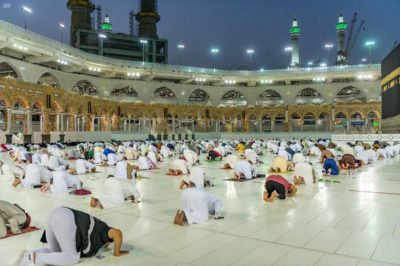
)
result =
(51, 88)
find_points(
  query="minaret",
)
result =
(341, 27)
(148, 18)
(106, 25)
(295, 35)
(80, 17)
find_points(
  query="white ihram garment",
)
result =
(62, 181)
(198, 204)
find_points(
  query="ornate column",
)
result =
(76, 126)
(62, 134)
(9, 125)
(45, 126)
(287, 119)
(28, 133)
(333, 118)
(57, 122)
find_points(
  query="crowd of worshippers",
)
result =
(55, 169)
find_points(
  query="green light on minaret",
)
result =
(295, 29)
(341, 26)
(106, 25)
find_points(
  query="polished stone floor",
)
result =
(324, 224)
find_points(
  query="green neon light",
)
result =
(295, 30)
(341, 26)
(106, 26)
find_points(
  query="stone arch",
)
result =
(340, 115)
(164, 95)
(8, 70)
(199, 96)
(124, 91)
(233, 98)
(85, 87)
(49, 79)
(349, 94)
(372, 115)
(269, 98)
(323, 116)
(356, 115)
(38, 106)
(295, 116)
(20, 103)
(309, 95)
(56, 107)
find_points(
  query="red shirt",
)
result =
(281, 180)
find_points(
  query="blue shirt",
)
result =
(331, 164)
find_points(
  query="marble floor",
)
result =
(324, 224)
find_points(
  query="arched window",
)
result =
(18, 106)
(309, 95)
(252, 118)
(340, 115)
(372, 115)
(323, 116)
(36, 112)
(279, 119)
(295, 116)
(127, 91)
(164, 94)
(85, 87)
(8, 72)
(349, 94)
(269, 97)
(309, 119)
(356, 116)
(233, 98)
(266, 118)
(199, 96)
(49, 80)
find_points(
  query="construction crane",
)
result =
(353, 23)
(99, 17)
(132, 23)
(360, 28)
(351, 41)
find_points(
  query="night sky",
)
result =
(235, 25)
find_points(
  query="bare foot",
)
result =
(179, 218)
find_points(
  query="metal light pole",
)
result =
(143, 42)
(62, 27)
(370, 45)
(214, 51)
(250, 53)
(181, 47)
(27, 10)
(288, 49)
(328, 46)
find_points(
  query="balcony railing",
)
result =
(19, 34)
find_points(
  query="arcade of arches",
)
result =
(26, 108)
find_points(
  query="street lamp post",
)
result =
(181, 47)
(328, 46)
(370, 45)
(288, 49)
(27, 10)
(143, 42)
(250, 53)
(102, 36)
(62, 27)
